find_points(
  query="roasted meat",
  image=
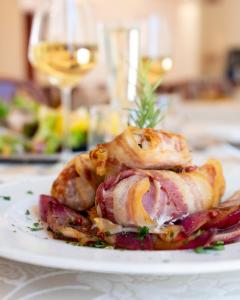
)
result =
(142, 149)
(152, 197)
(76, 184)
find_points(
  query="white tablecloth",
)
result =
(25, 282)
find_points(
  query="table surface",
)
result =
(20, 281)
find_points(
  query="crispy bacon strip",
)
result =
(76, 184)
(143, 149)
(151, 198)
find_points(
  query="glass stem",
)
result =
(66, 93)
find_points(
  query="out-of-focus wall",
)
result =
(221, 23)
(11, 40)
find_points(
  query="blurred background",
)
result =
(193, 45)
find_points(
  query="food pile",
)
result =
(141, 192)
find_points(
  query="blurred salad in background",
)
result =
(29, 127)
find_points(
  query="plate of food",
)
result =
(134, 205)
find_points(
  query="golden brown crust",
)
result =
(76, 184)
(214, 172)
(141, 148)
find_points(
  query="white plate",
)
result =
(19, 243)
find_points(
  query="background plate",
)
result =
(31, 158)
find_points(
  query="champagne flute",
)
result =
(156, 47)
(63, 47)
(119, 46)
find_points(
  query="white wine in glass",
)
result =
(63, 65)
(158, 67)
(156, 47)
(63, 47)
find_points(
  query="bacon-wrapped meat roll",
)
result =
(76, 184)
(151, 198)
(142, 149)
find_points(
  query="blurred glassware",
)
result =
(63, 46)
(170, 105)
(119, 47)
(106, 122)
(156, 46)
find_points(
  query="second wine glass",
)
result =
(63, 47)
(156, 52)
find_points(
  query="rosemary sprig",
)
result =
(146, 114)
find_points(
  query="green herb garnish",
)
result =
(218, 246)
(146, 114)
(58, 235)
(171, 234)
(199, 250)
(29, 192)
(35, 227)
(7, 198)
(99, 244)
(142, 232)
(96, 244)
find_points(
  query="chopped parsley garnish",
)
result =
(200, 250)
(218, 246)
(142, 232)
(29, 192)
(96, 244)
(58, 235)
(99, 244)
(27, 212)
(35, 227)
(7, 198)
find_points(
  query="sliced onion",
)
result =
(193, 222)
(229, 235)
(44, 202)
(191, 242)
(130, 241)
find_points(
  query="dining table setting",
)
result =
(120, 153)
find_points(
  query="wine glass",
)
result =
(156, 47)
(63, 47)
(119, 47)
